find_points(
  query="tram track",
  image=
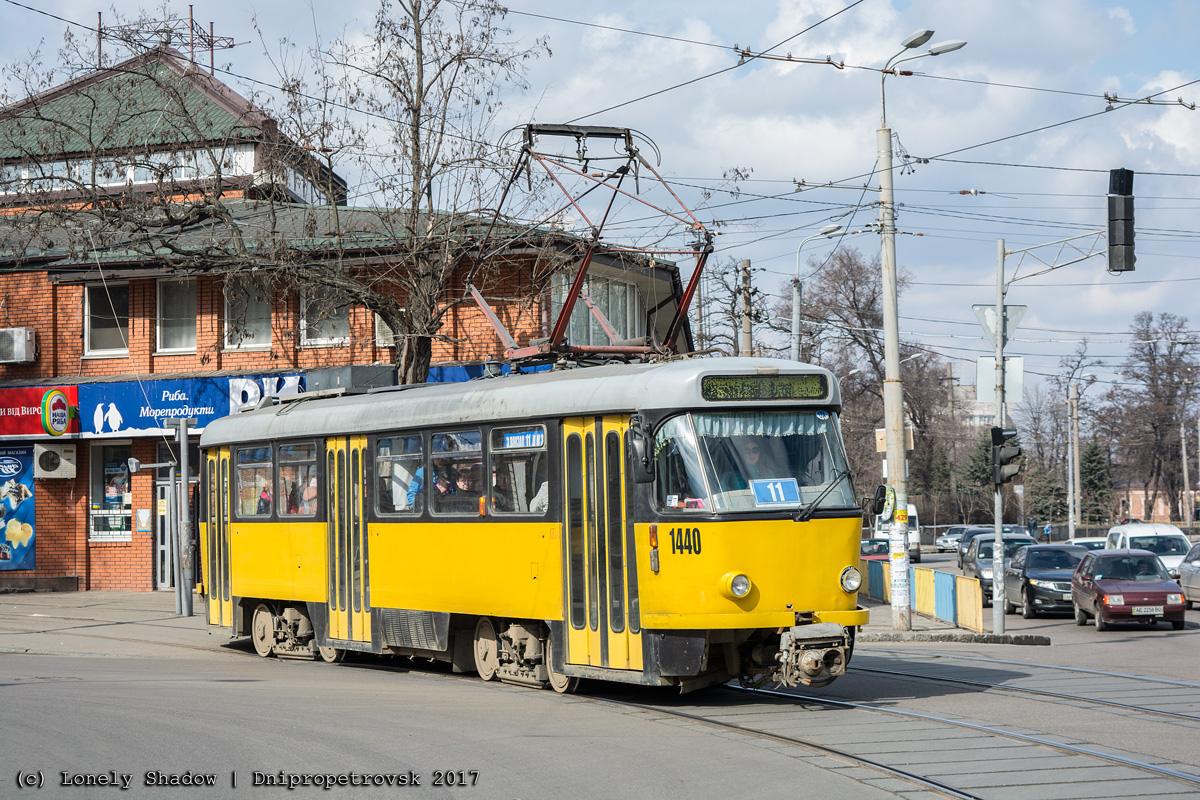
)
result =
(1022, 690)
(1040, 741)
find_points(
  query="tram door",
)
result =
(601, 579)
(218, 597)
(349, 584)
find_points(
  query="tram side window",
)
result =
(400, 474)
(254, 482)
(298, 482)
(456, 472)
(519, 469)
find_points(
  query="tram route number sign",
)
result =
(764, 387)
(775, 492)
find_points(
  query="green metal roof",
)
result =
(143, 103)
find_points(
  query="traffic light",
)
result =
(1003, 456)
(1120, 220)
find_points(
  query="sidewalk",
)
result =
(140, 624)
(929, 629)
(119, 624)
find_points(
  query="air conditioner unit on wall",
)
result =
(54, 461)
(17, 345)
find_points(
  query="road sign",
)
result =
(1014, 379)
(987, 318)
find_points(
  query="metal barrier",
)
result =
(952, 598)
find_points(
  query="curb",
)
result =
(954, 636)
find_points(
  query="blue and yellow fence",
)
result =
(951, 598)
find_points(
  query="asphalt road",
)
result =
(107, 689)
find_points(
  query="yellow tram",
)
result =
(670, 524)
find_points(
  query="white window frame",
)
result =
(88, 350)
(159, 284)
(244, 343)
(334, 341)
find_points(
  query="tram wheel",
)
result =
(331, 655)
(558, 682)
(487, 649)
(262, 630)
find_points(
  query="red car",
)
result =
(1125, 586)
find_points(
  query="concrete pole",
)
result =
(745, 349)
(893, 390)
(173, 527)
(1186, 511)
(1070, 473)
(797, 287)
(1077, 516)
(998, 598)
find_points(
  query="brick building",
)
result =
(106, 334)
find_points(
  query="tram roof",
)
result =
(557, 393)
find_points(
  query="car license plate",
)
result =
(1147, 609)
(1066, 596)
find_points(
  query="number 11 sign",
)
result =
(776, 492)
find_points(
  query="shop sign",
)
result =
(130, 408)
(27, 413)
(16, 500)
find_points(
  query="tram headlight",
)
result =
(851, 579)
(735, 585)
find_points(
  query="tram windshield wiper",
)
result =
(804, 514)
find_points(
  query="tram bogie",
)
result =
(677, 524)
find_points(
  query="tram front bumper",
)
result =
(813, 655)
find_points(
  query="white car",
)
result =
(1090, 542)
(948, 541)
(1189, 577)
(1165, 541)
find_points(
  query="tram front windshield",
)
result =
(729, 462)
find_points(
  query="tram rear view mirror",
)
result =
(641, 464)
(879, 500)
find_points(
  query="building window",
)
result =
(384, 335)
(106, 319)
(177, 315)
(619, 302)
(111, 496)
(323, 324)
(247, 318)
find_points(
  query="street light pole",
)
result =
(825, 233)
(893, 391)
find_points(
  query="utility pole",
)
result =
(1076, 516)
(1186, 510)
(745, 348)
(953, 439)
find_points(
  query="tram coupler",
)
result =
(812, 655)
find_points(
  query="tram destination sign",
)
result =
(764, 387)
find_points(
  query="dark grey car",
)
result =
(979, 559)
(983, 530)
(1039, 578)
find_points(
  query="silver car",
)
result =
(1189, 577)
(948, 541)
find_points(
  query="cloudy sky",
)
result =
(1014, 127)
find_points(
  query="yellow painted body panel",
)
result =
(281, 561)
(793, 567)
(851, 619)
(504, 569)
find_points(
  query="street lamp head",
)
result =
(829, 230)
(917, 39)
(947, 47)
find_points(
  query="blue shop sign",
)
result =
(130, 408)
